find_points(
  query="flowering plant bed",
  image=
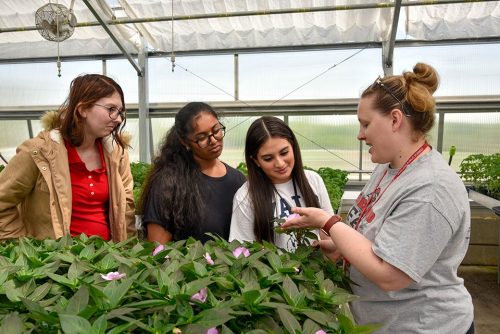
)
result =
(87, 285)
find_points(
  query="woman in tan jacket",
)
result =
(74, 177)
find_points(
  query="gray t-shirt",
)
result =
(420, 225)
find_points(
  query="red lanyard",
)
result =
(370, 205)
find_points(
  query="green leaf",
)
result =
(116, 290)
(73, 324)
(66, 241)
(62, 280)
(274, 261)
(223, 283)
(251, 296)
(149, 303)
(48, 302)
(263, 269)
(289, 321)
(310, 327)
(79, 301)
(318, 316)
(12, 324)
(108, 263)
(100, 325)
(3, 276)
(40, 292)
(99, 298)
(213, 317)
(269, 325)
(118, 312)
(28, 250)
(289, 287)
(185, 310)
(200, 269)
(121, 328)
(74, 271)
(193, 287)
(12, 292)
(124, 260)
(223, 257)
(37, 312)
(66, 257)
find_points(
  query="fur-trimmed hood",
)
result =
(49, 119)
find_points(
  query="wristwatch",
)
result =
(329, 223)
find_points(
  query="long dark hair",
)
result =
(84, 91)
(260, 187)
(176, 174)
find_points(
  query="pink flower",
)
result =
(320, 332)
(200, 296)
(212, 330)
(297, 269)
(209, 259)
(241, 250)
(292, 216)
(158, 249)
(113, 276)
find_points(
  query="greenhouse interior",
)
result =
(306, 62)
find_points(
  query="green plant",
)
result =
(139, 172)
(2, 167)
(298, 236)
(60, 286)
(335, 181)
(483, 171)
(242, 167)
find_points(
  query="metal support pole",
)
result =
(440, 132)
(30, 128)
(236, 78)
(101, 19)
(144, 127)
(388, 45)
(151, 143)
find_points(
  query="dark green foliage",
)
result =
(242, 167)
(54, 286)
(2, 167)
(335, 181)
(483, 171)
(139, 172)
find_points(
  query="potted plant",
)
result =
(483, 173)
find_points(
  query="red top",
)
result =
(90, 196)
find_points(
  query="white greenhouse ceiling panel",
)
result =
(236, 24)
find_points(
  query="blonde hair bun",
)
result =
(421, 84)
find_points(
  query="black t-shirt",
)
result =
(217, 193)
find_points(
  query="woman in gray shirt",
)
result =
(409, 229)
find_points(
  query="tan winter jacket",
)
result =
(35, 189)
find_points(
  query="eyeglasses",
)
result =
(379, 82)
(204, 140)
(113, 111)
